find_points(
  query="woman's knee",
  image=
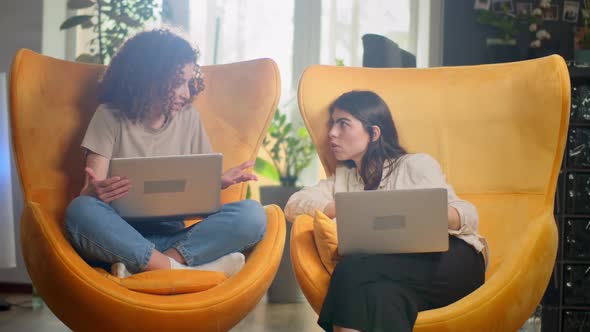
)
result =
(346, 271)
(80, 213)
(349, 263)
(251, 224)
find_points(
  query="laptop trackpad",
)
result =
(389, 222)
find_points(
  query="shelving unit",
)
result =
(566, 304)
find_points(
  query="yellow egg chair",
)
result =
(51, 103)
(499, 132)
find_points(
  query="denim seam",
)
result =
(127, 262)
(146, 256)
(177, 245)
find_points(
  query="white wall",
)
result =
(20, 27)
(32, 24)
(7, 245)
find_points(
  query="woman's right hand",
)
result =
(106, 190)
(330, 210)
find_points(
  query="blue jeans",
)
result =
(102, 237)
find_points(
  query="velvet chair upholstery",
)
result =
(499, 133)
(51, 103)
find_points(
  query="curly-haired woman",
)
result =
(145, 110)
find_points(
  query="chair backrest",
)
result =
(52, 102)
(497, 130)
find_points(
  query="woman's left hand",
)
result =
(237, 174)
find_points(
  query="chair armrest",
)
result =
(309, 270)
(509, 296)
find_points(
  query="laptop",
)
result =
(169, 186)
(391, 222)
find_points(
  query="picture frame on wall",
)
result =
(551, 13)
(498, 5)
(571, 10)
(482, 4)
(524, 8)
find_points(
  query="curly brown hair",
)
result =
(145, 71)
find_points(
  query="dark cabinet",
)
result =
(566, 304)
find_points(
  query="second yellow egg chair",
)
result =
(499, 133)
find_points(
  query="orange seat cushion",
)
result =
(168, 282)
(326, 240)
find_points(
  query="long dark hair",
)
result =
(371, 110)
(145, 72)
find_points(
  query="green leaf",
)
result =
(288, 145)
(288, 128)
(88, 58)
(74, 21)
(248, 192)
(87, 25)
(266, 169)
(123, 18)
(80, 4)
(302, 132)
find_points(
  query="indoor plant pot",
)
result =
(290, 150)
(284, 287)
(502, 50)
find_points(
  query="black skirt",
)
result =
(374, 293)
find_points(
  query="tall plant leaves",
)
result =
(266, 169)
(74, 21)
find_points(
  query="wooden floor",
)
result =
(290, 317)
(266, 317)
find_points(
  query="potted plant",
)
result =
(291, 150)
(112, 21)
(502, 43)
(582, 39)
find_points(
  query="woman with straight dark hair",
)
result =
(385, 292)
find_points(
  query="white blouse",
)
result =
(412, 171)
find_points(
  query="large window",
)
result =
(236, 30)
(344, 22)
(323, 31)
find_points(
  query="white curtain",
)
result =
(7, 249)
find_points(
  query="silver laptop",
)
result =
(390, 222)
(169, 186)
